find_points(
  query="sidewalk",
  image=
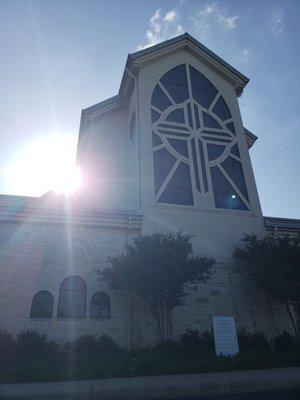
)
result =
(151, 387)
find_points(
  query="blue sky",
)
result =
(58, 57)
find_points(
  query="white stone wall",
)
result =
(39, 257)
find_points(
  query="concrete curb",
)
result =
(154, 387)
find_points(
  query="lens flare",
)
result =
(46, 164)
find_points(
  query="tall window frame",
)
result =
(100, 305)
(42, 305)
(72, 298)
(196, 155)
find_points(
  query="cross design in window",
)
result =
(195, 149)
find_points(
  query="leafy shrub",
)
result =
(86, 344)
(252, 341)
(285, 342)
(92, 358)
(193, 341)
(167, 346)
(107, 345)
(31, 342)
(7, 344)
(90, 344)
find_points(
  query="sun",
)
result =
(46, 164)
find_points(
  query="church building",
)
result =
(168, 153)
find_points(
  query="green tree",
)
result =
(158, 268)
(273, 263)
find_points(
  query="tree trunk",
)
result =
(169, 324)
(293, 322)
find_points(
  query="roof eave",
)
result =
(185, 41)
(250, 137)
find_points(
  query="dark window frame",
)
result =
(80, 279)
(107, 298)
(33, 304)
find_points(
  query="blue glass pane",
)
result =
(176, 116)
(214, 151)
(154, 116)
(179, 190)
(156, 141)
(100, 305)
(235, 171)
(42, 305)
(163, 162)
(159, 99)
(221, 109)
(180, 146)
(176, 83)
(209, 121)
(224, 194)
(230, 126)
(190, 115)
(203, 91)
(197, 116)
(235, 150)
(72, 298)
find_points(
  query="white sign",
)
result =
(226, 342)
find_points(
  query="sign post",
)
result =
(225, 336)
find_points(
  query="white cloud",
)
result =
(171, 16)
(276, 23)
(245, 53)
(208, 9)
(229, 22)
(206, 18)
(162, 27)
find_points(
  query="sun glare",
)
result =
(46, 164)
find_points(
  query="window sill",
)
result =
(70, 318)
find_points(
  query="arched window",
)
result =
(42, 305)
(72, 297)
(132, 126)
(100, 305)
(195, 148)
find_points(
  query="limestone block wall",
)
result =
(228, 293)
(37, 257)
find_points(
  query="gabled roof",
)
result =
(250, 137)
(136, 60)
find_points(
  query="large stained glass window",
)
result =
(195, 150)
